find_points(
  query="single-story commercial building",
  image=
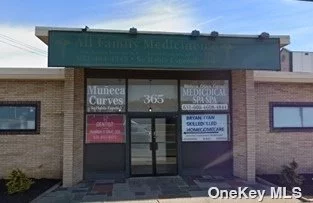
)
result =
(132, 103)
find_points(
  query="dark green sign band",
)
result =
(160, 51)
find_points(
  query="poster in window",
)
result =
(105, 128)
(204, 95)
(204, 127)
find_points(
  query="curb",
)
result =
(46, 192)
(265, 182)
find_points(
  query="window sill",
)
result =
(18, 132)
(278, 130)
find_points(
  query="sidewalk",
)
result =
(153, 190)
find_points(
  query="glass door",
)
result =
(153, 146)
(165, 139)
(141, 141)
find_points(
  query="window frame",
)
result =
(35, 104)
(272, 105)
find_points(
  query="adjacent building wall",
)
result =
(38, 155)
(302, 61)
(273, 149)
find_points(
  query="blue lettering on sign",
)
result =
(193, 117)
(205, 130)
(195, 123)
(209, 117)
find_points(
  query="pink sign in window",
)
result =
(108, 128)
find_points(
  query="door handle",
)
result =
(151, 146)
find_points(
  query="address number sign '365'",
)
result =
(154, 99)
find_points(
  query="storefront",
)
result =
(158, 103)
(156, 122)
(134, 103)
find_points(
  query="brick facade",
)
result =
(73, 126)
(275, 149)
(243, 124)
(57, 152)
(38, 155)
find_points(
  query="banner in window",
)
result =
(105, 128)
(204, 95)
(204, 127)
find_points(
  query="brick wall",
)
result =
(73, 126)
(243, 123)
(38, 155)
(276, 149)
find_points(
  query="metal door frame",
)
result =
(152, 116)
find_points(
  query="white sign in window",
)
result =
(105, 95)
(204, 127)
(204, 95)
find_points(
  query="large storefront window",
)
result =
(204, 105)
(204, 95)
(152, 95)
(151, 124)
(105, 95)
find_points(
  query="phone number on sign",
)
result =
(204, 107)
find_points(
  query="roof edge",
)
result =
(283, 77)
(42, 33)
(32, 73)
